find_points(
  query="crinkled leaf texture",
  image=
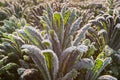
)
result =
(106, 77)
(100, 64)
(46, 61)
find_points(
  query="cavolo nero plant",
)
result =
(57, 52)
(106, 34)
(113, 6)
(105, 31)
